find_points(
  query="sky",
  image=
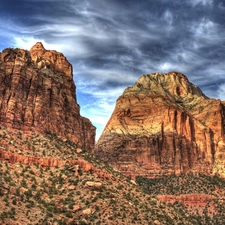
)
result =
(111, 43)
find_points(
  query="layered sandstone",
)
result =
(195, 200)
(74, 165)
(38, 93)
(164, 125)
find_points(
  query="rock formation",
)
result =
(37, 92)
(14, 157)
(164, 125)
(199, 200)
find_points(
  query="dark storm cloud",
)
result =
(111, 43)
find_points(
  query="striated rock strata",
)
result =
(194, 200)
(37, 92)
(14, 157)
(164, 125)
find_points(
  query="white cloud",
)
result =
(100, 103)
(221, 92)
(98, 75)
(166, 67)
(26, 42)
(100, 109)
(78, 49)
(202, 2)
(97, 120)
(205, 33)
(205, 28)
(168, 17)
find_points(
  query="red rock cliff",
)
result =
(37, 92)
(164, 125)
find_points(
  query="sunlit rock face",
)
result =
(164, 125)
(38, 93)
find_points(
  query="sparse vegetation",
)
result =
(38, 194)
(210, 213)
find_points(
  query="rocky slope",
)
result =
(201, 197)
(48, 180)
(164, 125)
(37, 93)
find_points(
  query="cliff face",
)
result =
(164, 125)
(37, 92)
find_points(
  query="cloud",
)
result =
(201, 2)
(168, 17)
(221, 6)
(112, 43)
(221, 92)
(98, 106)
(28, 42)
(205, 32)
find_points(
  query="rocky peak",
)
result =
(38, 47)
(37, 92)
(50, 59)
(164, 125)
(173, 85)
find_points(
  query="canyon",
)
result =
(52, 172)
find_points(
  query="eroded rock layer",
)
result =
(164, 125)
(37, 92)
